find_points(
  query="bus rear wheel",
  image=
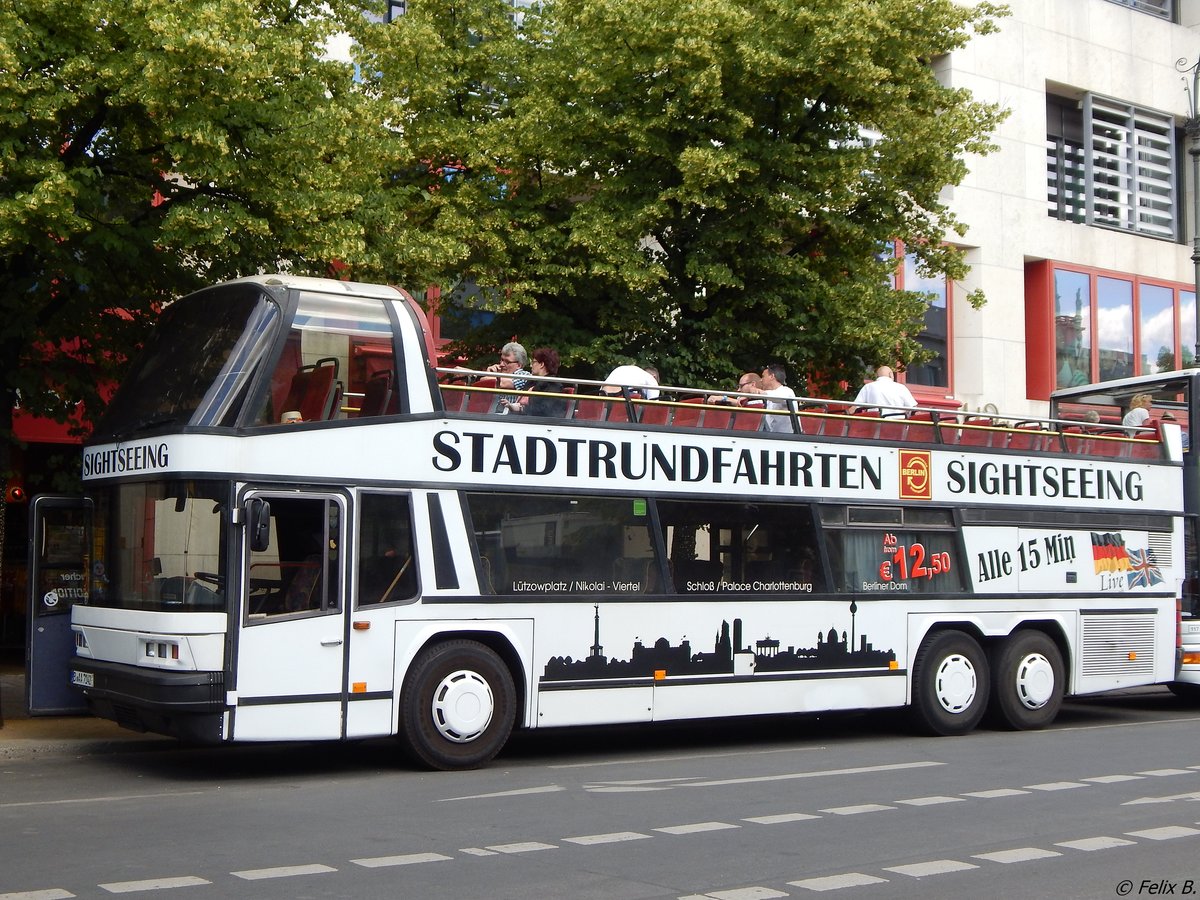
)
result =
(458, 705)
(1028, 681)
(950, 684)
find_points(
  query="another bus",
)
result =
(404, 560)
(1174, 405)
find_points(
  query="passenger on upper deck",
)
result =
(514, 362)
(643, 379)
(1139, 410)
(746, 379)
(772, 384)
(545, 363)
(884, 391)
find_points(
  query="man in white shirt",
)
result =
(772, 385)
(885, 391)
(642, 380)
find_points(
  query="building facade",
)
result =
(1080, 226)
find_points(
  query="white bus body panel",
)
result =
(122, 636)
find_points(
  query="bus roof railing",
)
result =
(582, 400)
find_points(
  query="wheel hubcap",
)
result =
(956, 683)
(1035, 681)
(462, 706)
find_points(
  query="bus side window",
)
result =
(297, 571)
(387, 569)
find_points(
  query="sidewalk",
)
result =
(23, 736)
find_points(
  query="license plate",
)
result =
(83, 679)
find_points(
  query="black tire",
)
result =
(1028, 681)
(458, 705)
(949, 684)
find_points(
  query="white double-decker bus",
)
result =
(406, 561)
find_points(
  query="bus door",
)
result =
(289, 658)
(59, 574)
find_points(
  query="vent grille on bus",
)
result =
(1109, 640)
(1160, 546)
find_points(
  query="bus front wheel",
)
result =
(1027, 690)
(458, 705)
(950, 684)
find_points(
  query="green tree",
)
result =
(147, 147)
(710, 183)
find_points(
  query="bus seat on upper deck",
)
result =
(313, 390)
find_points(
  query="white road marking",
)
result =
(933, 867)
(48, 894)
(1095, 843)
(116, 798)
(628, 789)
(1019, 854)
(477, 851)
(690, 756)
(1113, 779)
(824, 773)
(1169, 798)
(696, 828)
(747, 893)
(780, 819)
(408, 859)
(838, 882)
(1055, 786)
(155, 884)
(521, 847)
(1159, 773)
(613, 837)
(1166, 833)
(283, 872)
(547, 789)
(995, 792)
(930, 801)
(856, 810)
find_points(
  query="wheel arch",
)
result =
(496, 641)
(1051, 629)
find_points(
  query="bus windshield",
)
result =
(168, 557)
(195, 364)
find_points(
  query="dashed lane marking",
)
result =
(994, 793)
(696, 828)
(1113, 779)
(838, 882)
(545, 789)
(613, 837)
(1104, 842)
(153, 884)
(116, 798)
(1167, 833)
(932, 867)
(48, 894)
(521, 847)
(477, 851)
(856, 810)
(283, 872)
(407, 859)
(1159, 773)
(780, 819)
(1055, 786)
(746, 893)
(821, 773)
(930, 801)
(1017, 855)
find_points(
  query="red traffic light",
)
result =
(15, 493)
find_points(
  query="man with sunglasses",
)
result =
(514, 371)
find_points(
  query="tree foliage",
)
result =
(148, 147)
(703, 183)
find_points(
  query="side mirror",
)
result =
(258, 519)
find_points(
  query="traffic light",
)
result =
(15, 492)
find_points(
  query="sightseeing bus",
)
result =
(303, 529)
(1174, 397)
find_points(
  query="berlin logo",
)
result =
(915, 483)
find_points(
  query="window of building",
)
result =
(1164, 9)
(935, 335)
(1111, 165)
(1087, 325)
